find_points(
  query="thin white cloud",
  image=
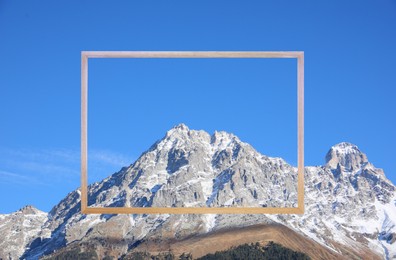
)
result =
(11, 177)
(57, 165)
(64, 155)
(47, 167)
(108, 157)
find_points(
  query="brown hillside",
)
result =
(224, 239)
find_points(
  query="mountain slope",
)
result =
(349, 201)
(350, 205)
(224, 239)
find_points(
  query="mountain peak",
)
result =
(180, 128)
(346, 155)
(345, 147)
(29, 209)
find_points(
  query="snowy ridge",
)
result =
(346, 148)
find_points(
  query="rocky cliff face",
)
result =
(191, 168)
(349, 203)
(347, 156)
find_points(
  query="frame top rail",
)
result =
(192, 54)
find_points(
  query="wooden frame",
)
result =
(299, 55)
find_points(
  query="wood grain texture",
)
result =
(190, 210)
(192, 54)
(84, 133)
(300, 130)
(85, 55)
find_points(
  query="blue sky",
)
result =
(350, 83)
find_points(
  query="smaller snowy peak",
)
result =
(346, 155)
(19, 230)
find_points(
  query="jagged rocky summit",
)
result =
(350, 206)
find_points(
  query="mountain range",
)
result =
(350, 205)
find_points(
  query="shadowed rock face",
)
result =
(347, 200)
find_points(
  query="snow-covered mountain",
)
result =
(350, 202)
(350, 206)
(18, 230)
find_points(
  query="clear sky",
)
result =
(350, 83)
